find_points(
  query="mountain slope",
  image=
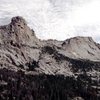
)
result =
(77, 58)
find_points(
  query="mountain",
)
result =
(34, 69)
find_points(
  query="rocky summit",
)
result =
(34, 69)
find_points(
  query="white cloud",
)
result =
(56, 19)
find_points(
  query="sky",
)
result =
(55, 19)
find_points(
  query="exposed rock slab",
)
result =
(20, 49)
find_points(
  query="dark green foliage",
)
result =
(32, 65)
(43, 87)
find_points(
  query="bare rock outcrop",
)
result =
(21, 49)
(17, 41)
(77, 58)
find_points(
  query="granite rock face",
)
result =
(77, 58)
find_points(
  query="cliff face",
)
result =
(75, 62)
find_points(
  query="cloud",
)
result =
(56, 19)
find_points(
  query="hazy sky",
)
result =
(56, 19)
